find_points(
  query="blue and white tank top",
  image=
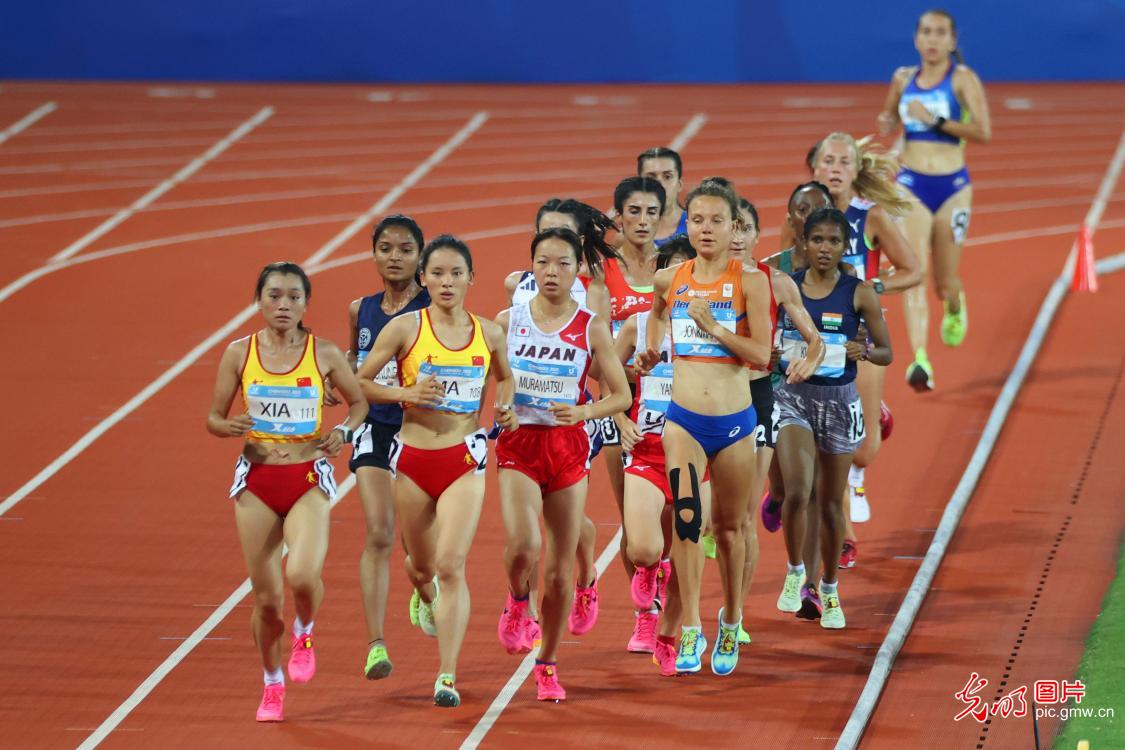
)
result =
(528, 288)
(370, 322)
(941, 101)
(548, 367)
(837, 321)
(654, 391)
(860, 254)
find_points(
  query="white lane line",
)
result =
(230, 327)
(27, 120)
(693, 126)
(523, 671)
(912, 602)
(437, 157)
(180, 653)
(185, 172)
(504, 697)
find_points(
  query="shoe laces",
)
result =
(272, 696)
(831, 601)
(646, 626)
(792, 584)
(548, 675)
(728, 640)
(583, 598)
(513, 621)
(689, 642)
(648, 581)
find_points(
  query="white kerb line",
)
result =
(523, 671)
(149, 684)
(1097, 208)
(955, 508)
(504, 697)
(27, 120)
(185, 172)
(202, 348)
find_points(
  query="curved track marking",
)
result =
(27, 120)
(234, 323)
(185, 172)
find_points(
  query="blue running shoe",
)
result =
(724, 658)
(692, 646)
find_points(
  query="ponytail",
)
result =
(592, 227)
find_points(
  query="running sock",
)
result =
(300, 628)
(276, 677)
(729, 626)
(855, 476)
(827, 588)
(667, 640)
(523, 598)
(799, 568)
(545, 663)
(696, 628)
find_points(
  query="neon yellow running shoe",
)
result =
(710, 546)
(378, 664)
(415, 600)
(954, 326)
(426, 619)
(920, 373)
(790, 598)
(743, 636)
(832, 617)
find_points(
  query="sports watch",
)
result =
(345, 431)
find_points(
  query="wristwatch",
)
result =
(877, 285)
(938, 125)
(345, 431)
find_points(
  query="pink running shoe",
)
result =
(771, 512)
(272, 706)
(584, 612)
(302, 658)
(886, 420)
(534, 633)
(848, 554)
(664, 656)
(662, 579)
(513, 629)
(643, 587)
(644, 633)
(547, 683)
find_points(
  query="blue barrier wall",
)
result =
(510, 40)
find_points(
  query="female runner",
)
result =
(719, 317)
(821, 420)
(783, 295)
(940, 104)
(397, 243)
(588, 291)
(666, 167)
(444, 355)
(861, 186)
(552, 344)
(283, 481)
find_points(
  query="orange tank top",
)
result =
(728, 306)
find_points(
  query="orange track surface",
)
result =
(131, 545)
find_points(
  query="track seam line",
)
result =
(180, 653)
(234, 323)
(527, 664)
(185, 172)
(504, 697)
(912, 603)
(27, 120)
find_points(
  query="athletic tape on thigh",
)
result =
(687, 530)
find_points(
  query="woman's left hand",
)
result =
(856, 350)
(331, 443)
(507, 419)
(567, 415)
(917, 110)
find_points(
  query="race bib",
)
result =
(463, 386)
(283, 410)
(935, 103)
(689, 340)
(793, 347)
(538, 384)
(656, 395)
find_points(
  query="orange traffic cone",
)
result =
(1085, 277)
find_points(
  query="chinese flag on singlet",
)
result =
(478, 361)
(304, 382)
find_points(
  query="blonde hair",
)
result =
(875, 178)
